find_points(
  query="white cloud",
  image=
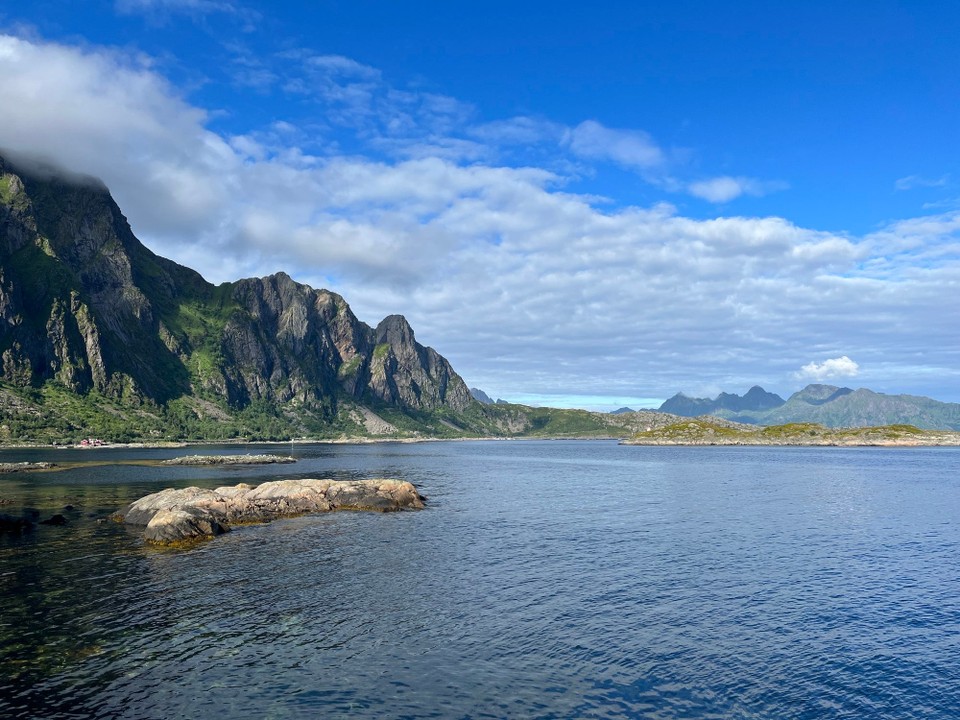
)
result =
(841, 367)
(726, 188)
(526, 288)
(519, 131)
(636, 150)
(633, 149)
(343, 66)
(164, 9)
(911, 182)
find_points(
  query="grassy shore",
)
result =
(704, 431)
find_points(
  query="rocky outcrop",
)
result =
(404, 372)
(208, 460)
(181, 516)
(22, 466)
(281, 323)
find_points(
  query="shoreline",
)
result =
(834, 444)
(686, 432)
(297, 441)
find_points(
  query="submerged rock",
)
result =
(174, 516)
(15, 525)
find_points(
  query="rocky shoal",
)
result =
(182, 516)
(229, 460)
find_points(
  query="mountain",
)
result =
(755, 399)
(827, 405)
(480, 396)
(87, 311)
(621, 411)
(842, 407)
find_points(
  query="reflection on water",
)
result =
(545, 579)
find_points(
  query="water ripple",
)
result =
(548, 580)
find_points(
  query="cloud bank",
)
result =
(528, 288)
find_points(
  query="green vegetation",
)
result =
(6, 189)
(701, 431)
(11, 195)
(552, 422)
(349, 368)
(694, 431)
(55, 415)
(794, 430)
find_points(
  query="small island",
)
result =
(714, 431)
(181, 517)
(12, 467)
(207, 460)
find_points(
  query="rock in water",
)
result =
(169, 527)
(175, 516)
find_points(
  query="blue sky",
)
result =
(581, 205)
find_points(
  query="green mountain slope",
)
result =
(842, 407)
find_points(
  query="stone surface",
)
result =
(204, 460)
(168, 527)
(21, 466)
(175, 516)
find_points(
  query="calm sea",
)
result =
(544, 580)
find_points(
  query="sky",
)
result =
(580, 205)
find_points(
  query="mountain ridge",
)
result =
(85, 305)
(828, 405)
(755, 399)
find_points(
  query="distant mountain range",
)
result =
(756, 400)
(827, 405)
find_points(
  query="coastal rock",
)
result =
(175, 516)
(168, 527)
(20, 466)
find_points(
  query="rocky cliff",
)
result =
(86, 307)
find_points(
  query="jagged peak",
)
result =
(281, 278)
(395, 330)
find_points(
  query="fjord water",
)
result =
(548, 579)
